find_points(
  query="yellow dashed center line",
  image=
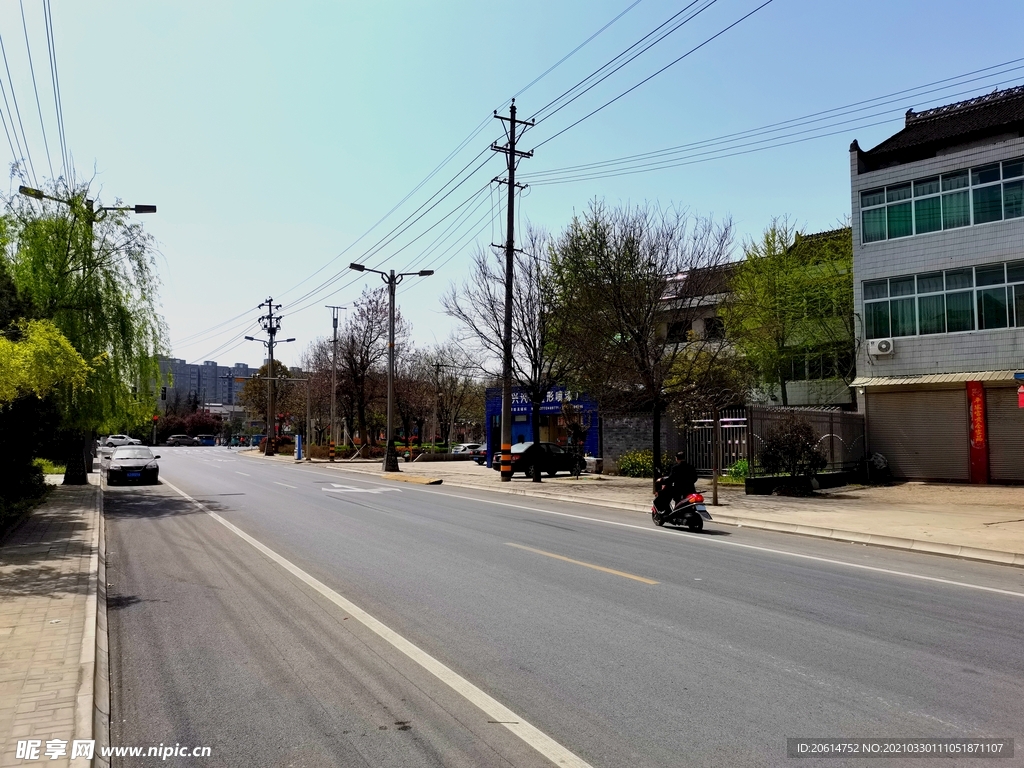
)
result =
(585, 565)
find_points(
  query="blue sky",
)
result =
(272, 136)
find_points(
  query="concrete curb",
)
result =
(92, 703)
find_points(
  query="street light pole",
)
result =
(334, 380)
(392, 279)
(80, 463)
(272, 325)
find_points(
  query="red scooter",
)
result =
(689, 512)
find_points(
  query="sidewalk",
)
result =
(977, 522)
(48, 611)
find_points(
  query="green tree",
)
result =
(792, 296)
(39, 361)
(255, 392)
(630, 286)
(92, 273)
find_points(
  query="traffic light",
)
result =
(155, 418)
(163, 393)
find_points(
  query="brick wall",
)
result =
(635, 433)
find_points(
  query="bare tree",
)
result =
(631, 286)
(362, 355)
(539, 359)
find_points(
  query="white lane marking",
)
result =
(335, 488)
(495, 710)
(284, 484)
(712, 541)
(709, 540)
(243, 473)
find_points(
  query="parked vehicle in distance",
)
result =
(551, 458)
(112, 441)
(182, 440)
(132, 464)
(206, 440)
(466, 448)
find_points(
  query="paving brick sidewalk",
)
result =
(47, 623)
(980, 522)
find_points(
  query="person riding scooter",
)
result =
(678, 483)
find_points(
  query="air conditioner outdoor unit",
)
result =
(880, 347)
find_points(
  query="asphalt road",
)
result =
(392, 624)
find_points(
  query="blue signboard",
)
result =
(522, 410)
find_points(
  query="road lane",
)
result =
(736, 649)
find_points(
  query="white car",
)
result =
(465, 447)
(112, 441)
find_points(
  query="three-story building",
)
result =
(938, 243)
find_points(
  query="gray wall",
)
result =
(989, 350)
(634, 433)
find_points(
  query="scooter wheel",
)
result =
(696, 525)
(657, 518)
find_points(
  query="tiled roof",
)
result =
(995, 114)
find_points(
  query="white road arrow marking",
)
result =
(335, 488)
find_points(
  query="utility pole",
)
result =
(511, 156)
(334, 378)
(270, 323)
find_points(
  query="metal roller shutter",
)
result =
(1005, 435)
(923, 434)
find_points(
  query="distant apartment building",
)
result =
(209, 382)
(938, 238)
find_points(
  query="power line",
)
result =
(570, 54)
(593, 171)
(650, 77)
(23, 145)
(39, 104)
(51, 47)
(813, 117)
(537, 115)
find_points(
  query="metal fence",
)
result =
(839, 435)
(699, 435)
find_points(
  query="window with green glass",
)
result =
(903, 317)
(876, 319)
(1014, 272)
(872, 198)
(959, 278)
(873, 225)
(926, 186)
(931, 314)
(900, 219)
(928, 215)
(988, 204)
(1018, 304)
(958, 180)
(985, 174)
(930, 282)
(1013, 199)
(901, 286)
(1013, 168)
(960, 311)
(956, 210)
(993, 274)
(876, 289)
(992, 308)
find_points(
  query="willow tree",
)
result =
(91, 272)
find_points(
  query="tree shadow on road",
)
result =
(138, 502)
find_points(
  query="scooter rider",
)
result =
(679, 483)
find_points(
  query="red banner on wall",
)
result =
(1020, 396)
(979, 433)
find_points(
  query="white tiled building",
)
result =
(938, 243)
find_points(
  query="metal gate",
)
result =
(699, 434)
(922, 433)
(1005, 435)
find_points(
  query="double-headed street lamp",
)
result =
(392, 279)
(76, 471)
